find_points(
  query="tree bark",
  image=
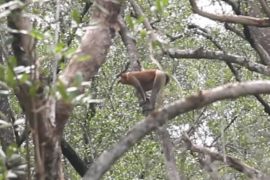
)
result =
(47, 131)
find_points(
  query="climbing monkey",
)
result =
(146, 80)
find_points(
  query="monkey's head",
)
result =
(123, 78)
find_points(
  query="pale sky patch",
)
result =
(211, 7)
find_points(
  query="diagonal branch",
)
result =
(130, 44)
(74, 159)
(169, 154)
(158, 118)
(86, 8)
(234, 30)
(229, 160)
(265, 7)
(227, 127)
(153, 35)
(251, 34)
(233, 70)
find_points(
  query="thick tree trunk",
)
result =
(46, 131)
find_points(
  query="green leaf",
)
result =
(161, 4)
(61, 88)
(69, 52)
(9, 77)
(156, 44)
(62, 66)
(165, 2)
(23, 78)
(33, 90)
(12, 61)
(37, 34)
(76, 16)
(140, 19)
(59, 47)
(130, 22)
(84, 58)
(143, 33)
(2, 72)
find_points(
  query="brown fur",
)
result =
(146, 80)
(145, 77)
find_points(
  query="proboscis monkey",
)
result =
(146, 80)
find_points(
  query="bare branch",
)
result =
(8, 7)
(207, 35)
(153, 36)
(95, 43)
(203, 32)
(158, 118)
(227, 127)
(174, 38)
(168, 150)
(140, 13)
(265, 7)
(23, 43)
(234, 30)
(74, 159)
(244, 20)
(200, 53)
(229, 160)
(130, 45)
(263, 103)
(86, 7)
(255, 36)
(233, 70)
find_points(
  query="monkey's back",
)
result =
(146, 78)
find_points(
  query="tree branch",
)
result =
(265, 7)
(169, 155)
(239, 19)
(158, 118)
(234, 30)
(207, 35)
(153, 36)
(86, 8)
(227, 127)
(73, 158)
(170, 162)
(229, 160)
(201, 53)
(47, 130)
(130, 44)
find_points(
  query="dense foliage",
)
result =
(107, 110)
